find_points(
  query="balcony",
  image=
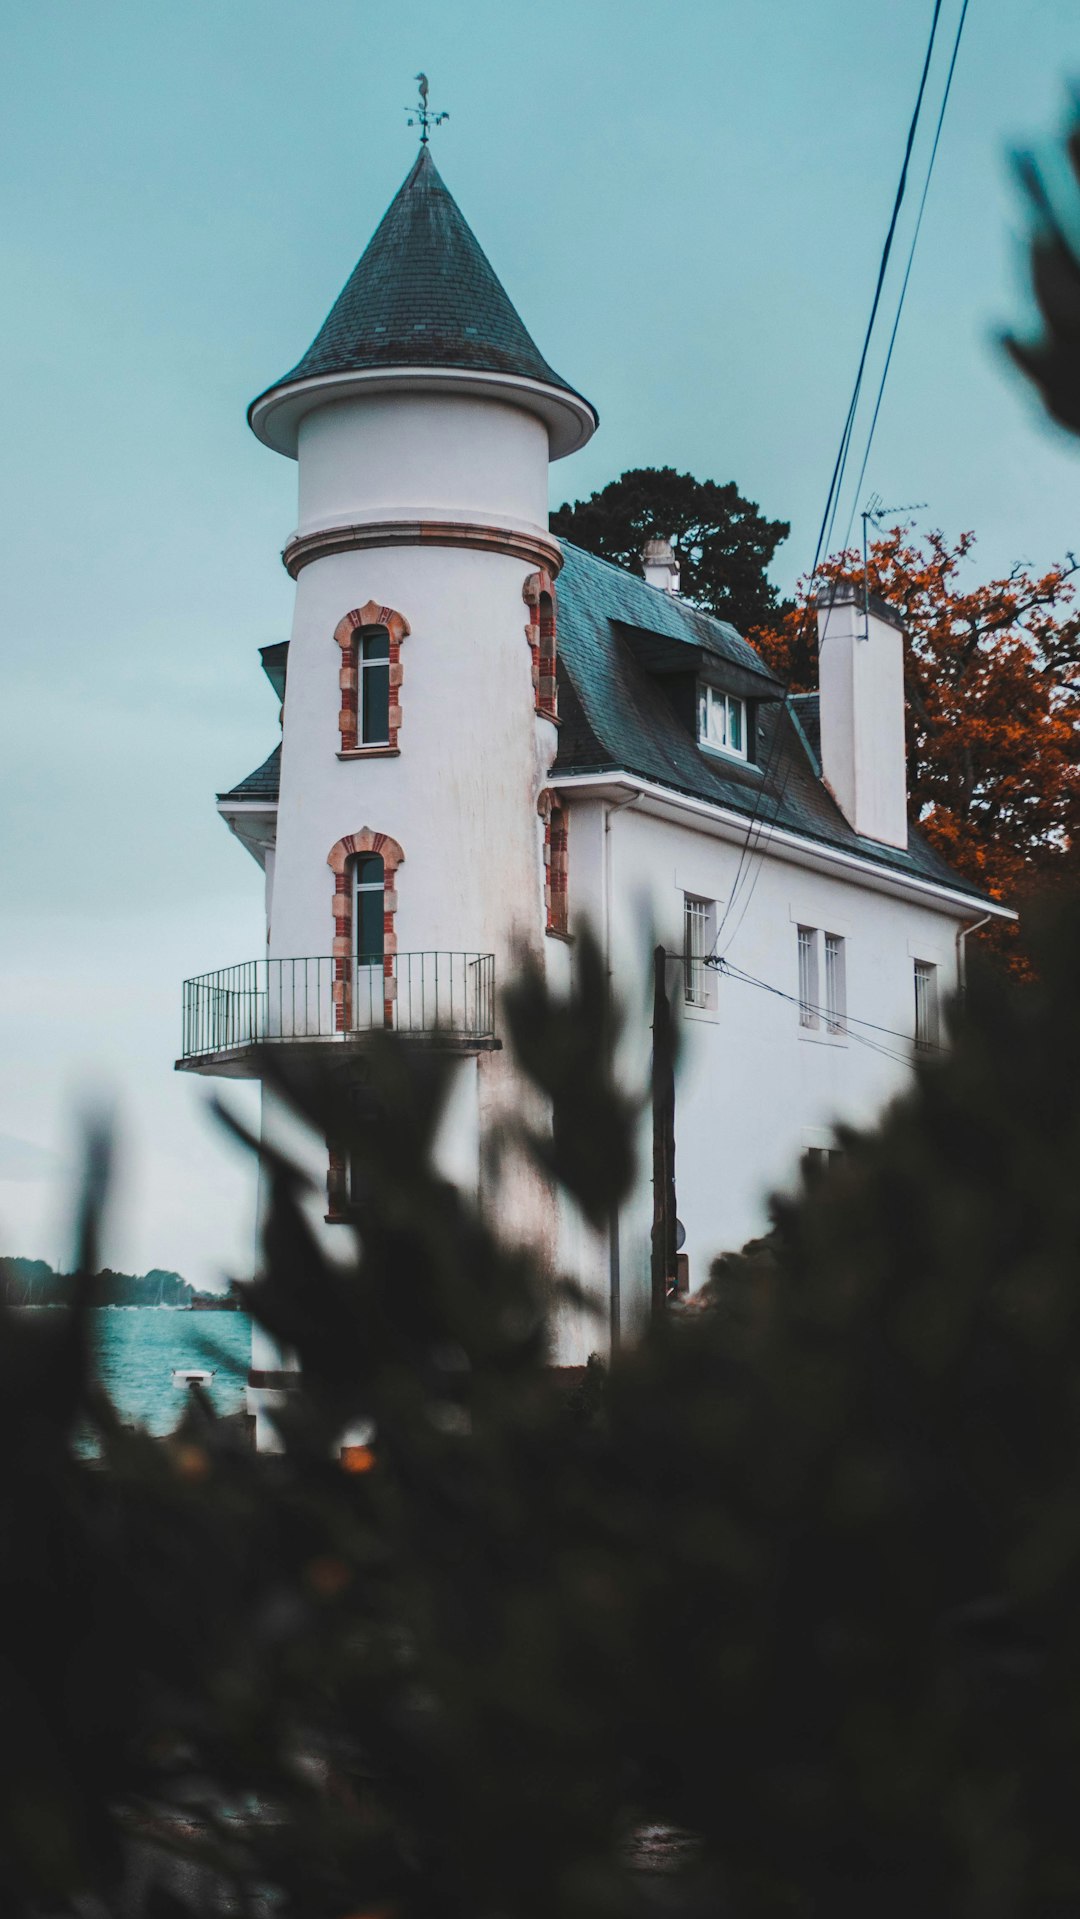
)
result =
(443, 999)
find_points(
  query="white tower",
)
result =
(407, 862)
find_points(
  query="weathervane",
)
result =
(422, 116)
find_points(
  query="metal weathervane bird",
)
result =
(422, 116)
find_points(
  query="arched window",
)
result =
(538, 593)
(370, 680)
(364, 866)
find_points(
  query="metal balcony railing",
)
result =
(260, 1002)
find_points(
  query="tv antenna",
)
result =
(423, 116)
(876, 510)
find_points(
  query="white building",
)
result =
(487, 737)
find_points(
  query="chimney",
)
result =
(861, 680)
(661, 566)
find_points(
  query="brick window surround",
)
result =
(347, 633)
(338, 859)
(556, 817)
(538, 593)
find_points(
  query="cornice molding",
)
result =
(536, 548)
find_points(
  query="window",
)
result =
(699, 932)
(365, 868)
(369, 680)
(818, 1159)
(721, 722)
(538, 593)
(835, 985)
(368, 881)
(808, 979)
(556, 850)
(926, 1005)
(373, 662)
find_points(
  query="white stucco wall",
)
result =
(401, 455)
(754, 1089)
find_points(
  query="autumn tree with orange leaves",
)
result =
(992, 675)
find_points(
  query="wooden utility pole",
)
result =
(663, 1124)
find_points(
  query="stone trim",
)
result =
(346, 633)
(538, 593)
(365, 841)
(556, 817)
(534, 547)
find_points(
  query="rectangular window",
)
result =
(808, 976)
(721, 722)
(818, 1159)
(835, 986)
(926, 1005)
(374, 691)
(698, 934)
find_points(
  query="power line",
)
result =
(844, 1020)
(755, 833)
(836, 481)
(907, 270)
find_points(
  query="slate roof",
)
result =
(423, 294)
(263, 783)
(616, 717)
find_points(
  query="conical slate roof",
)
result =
(423, 294)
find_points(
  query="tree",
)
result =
(802, 1581)
(723, 543)
(992, 677)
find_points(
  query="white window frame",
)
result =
(699, 935)
(715, 709)
(835, 983)
(926, 1005)
(808, 977)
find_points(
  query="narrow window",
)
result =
(835, 986)
(368, 914)
(369, 985)
(373, 660)
(556, 860)
(808, 986)
(818, 1159)
(721, 722)
(926, 1007)
(698, 934)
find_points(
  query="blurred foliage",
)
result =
(797, 1582)
(1053, 361)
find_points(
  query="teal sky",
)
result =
(687, 206)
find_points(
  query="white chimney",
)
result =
(661, 566)
(861, 679)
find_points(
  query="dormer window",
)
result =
(721, 722)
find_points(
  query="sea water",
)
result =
(140, 1347)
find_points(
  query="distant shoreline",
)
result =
(127, 1306)
(33, 1282)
